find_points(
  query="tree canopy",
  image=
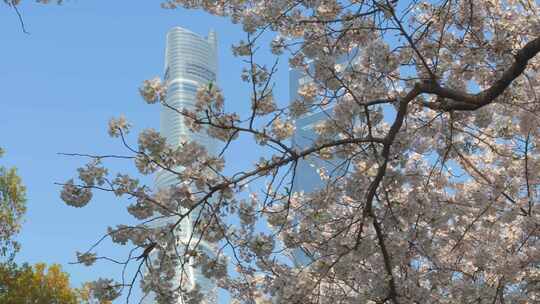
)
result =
(431, 121)
(36, 284)
(12, 209)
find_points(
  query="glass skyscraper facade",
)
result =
(190, 62)
(307, 178)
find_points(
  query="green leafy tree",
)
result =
(26, 284)
(36, 284)
(12, 209)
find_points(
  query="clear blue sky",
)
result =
(81, 65)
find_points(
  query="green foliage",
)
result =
(27, 284)
(35, 285)
(12, 209)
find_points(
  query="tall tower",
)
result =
(306, 177)
(190, 62)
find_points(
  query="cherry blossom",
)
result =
(427, 160)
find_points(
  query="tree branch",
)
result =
(462, 101)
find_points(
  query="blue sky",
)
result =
(81, 65)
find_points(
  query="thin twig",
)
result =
(14, 6)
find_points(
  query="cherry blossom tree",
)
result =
(433, 116)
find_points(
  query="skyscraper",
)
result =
(190, 62)
(307, 178)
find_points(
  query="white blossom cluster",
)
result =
(118, 126)
(153, 91)
(105, 289)
(87, 258)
